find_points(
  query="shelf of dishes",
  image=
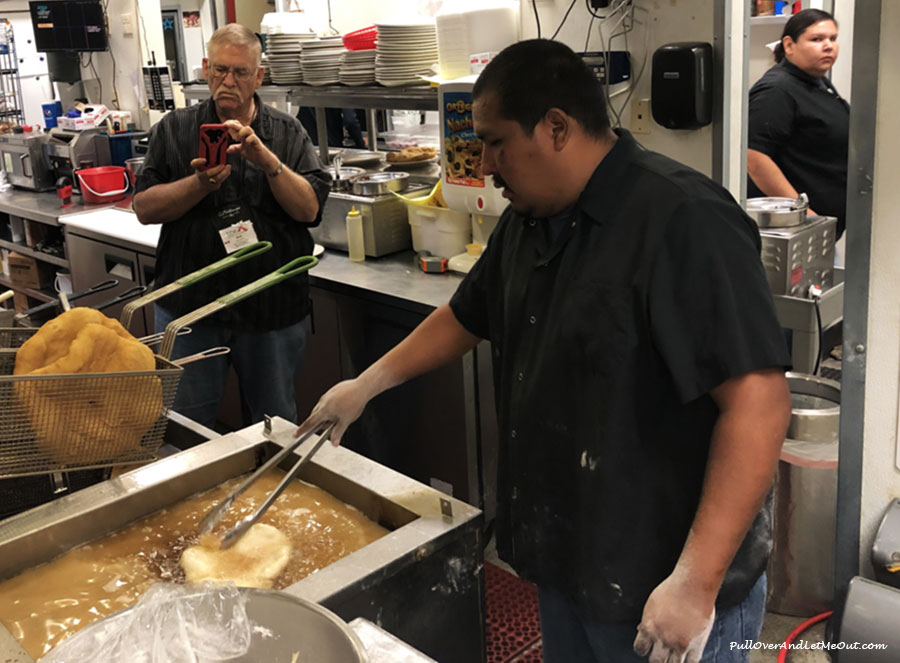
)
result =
(288, 98)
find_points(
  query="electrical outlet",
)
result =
(127, 25)
(640, 116)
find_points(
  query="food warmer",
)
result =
(423, 582)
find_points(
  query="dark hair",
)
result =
(531, 77)
(797, 25)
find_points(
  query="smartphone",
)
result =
(213, 144)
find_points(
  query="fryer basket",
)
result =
(51, 423)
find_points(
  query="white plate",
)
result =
(318, 250)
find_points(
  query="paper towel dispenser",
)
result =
(681, 85)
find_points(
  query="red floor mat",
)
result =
(512, 628)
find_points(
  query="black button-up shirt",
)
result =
(803, 125)
(193, 241)
(608, 337)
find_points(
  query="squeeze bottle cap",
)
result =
(353, 211)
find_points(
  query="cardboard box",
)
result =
(20, 302)
(26, 272)
(91, 117)
(35, 233)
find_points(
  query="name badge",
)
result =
(237, 236)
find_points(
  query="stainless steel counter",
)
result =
(392, 279)
(45, 207)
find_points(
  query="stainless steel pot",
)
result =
(376, 184)
(775, 212)
(282, 626)
(342, 178)
(134, 166)
(816, 408)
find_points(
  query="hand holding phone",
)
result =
(213, 144)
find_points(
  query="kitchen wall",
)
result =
(881, 478)
(125, 48)
(660, 23)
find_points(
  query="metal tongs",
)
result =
(215, 514)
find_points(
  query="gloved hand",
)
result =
(676, 622)
(341, 405)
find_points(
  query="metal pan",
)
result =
(778, 212)
(376, 184)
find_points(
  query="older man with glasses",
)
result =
(272, 187)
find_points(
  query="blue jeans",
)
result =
(265, 363)
(568, 638)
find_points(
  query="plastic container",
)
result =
(464, 261)
(465, 187)
(104, 184)
(442, 232)
(463, 30)
(355, 237)
(119, 148)
(361, 40)
(482, 227)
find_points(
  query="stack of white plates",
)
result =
(283, 53)
(267, 70)
(405, 50)
(320, 60)
(358, 67)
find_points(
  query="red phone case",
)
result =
(213, 144)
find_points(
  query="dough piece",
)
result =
(256, 560)
(412, 154)
(90, 420)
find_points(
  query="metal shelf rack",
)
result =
(10, 89)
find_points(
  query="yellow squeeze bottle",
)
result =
(355, 237)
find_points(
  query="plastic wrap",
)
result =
(170, 624)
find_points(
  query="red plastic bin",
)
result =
(361, 40)
(104, 184)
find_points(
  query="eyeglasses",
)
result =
(240, 74)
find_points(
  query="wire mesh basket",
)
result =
(52, 423)
(62, 422)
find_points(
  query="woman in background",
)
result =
(799, 124)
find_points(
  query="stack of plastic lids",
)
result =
(358, 67)
(285, 33)
(470, 29)
(321, 60)
(405, 50)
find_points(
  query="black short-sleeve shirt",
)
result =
(193, 241)
(803, 125)
(607, 340)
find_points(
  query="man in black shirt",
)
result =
(273, 188)
(638, 367)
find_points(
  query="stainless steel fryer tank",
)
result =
(423, 582)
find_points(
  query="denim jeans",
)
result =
(265, 363)
(568, 638)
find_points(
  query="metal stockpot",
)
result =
(801, 566)
(775, 212)
(815, 408)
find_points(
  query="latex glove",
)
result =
(676, 623)
(341, 405)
